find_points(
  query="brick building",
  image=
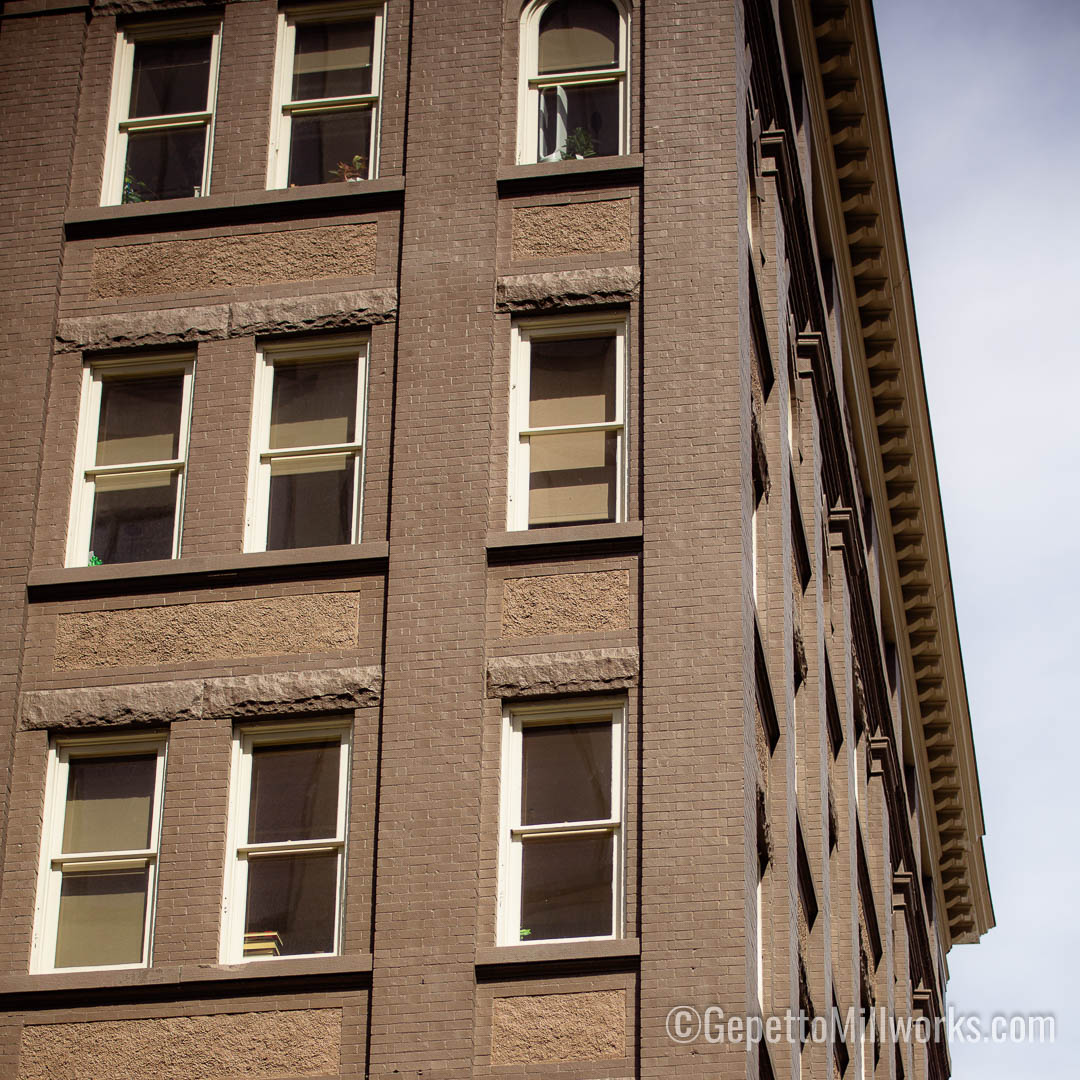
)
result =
(473, 564)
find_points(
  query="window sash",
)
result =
(263, 457)
(234, 902)
(514, 835)
(87, 472)
(284, 107)
(121, 122)
(55, 864)
(524, 333)
(531, 84)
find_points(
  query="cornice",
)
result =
(887, 397)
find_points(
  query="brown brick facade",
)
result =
(775, 727)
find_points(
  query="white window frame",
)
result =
(283, 107)
(524, 333)
(258, 498)
(511, 832)
(120, 123)
(53, 862)
(234, 898)
(95, 372)
(531, 83)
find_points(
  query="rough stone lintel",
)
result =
(286, 693)
(562, 673)
(180, 326)
(568, 288)
(333, 311)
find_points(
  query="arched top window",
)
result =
(574, 80)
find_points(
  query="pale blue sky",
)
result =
(983, 100)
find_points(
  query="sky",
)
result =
(983, 98)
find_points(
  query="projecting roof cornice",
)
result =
(884, 377)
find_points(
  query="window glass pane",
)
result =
(579, 121)
(294, 792)
(578, 35)
(311, 501)
(133, 518)
(566, 886)
(102, 918)
(109, 803)
(164, 164)
(572, 477)
(571, 381)
(330, 146)
(291, 905)
(140, 419)
(565, 773)
(332, 59)
(314, 404)
(170, 77)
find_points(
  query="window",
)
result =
(325, 123)
(285, 883)
(162, 113)
(99, 853)
(572, 100)
(132, 461)
(567, 439)
(561, 856)
(308, 446)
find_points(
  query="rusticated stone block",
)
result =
(562, 673)
(187, 325)
(140, 704)
(147, 636)
(326, 311)
(589, 1026)
(568, 288)
(581, 228)
(285, 693)
(252, 1045)
(223, 262)
(289, 692)
(566, 603)
(177, 326)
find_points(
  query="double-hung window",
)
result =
(99, 853)
(325, 122)
(308, 446)
(287, 823)
(161, 126)
(561, 857)
(132, 461)
(567, 419)
(573, 94)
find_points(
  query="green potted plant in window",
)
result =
(356, 169)
(579, 144)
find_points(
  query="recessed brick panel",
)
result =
(137, 637)
(253, 1045)
(217, 262)
(581, 228)
(566, 603)
(589, 1026)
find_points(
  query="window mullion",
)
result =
(166, 121)
(576, 78)
(311, 451)
(351, 101)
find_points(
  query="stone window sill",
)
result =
(236, 208)
(513, 961)
(560, 175)
(182, 980)
(208, 570)
(531, 544)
